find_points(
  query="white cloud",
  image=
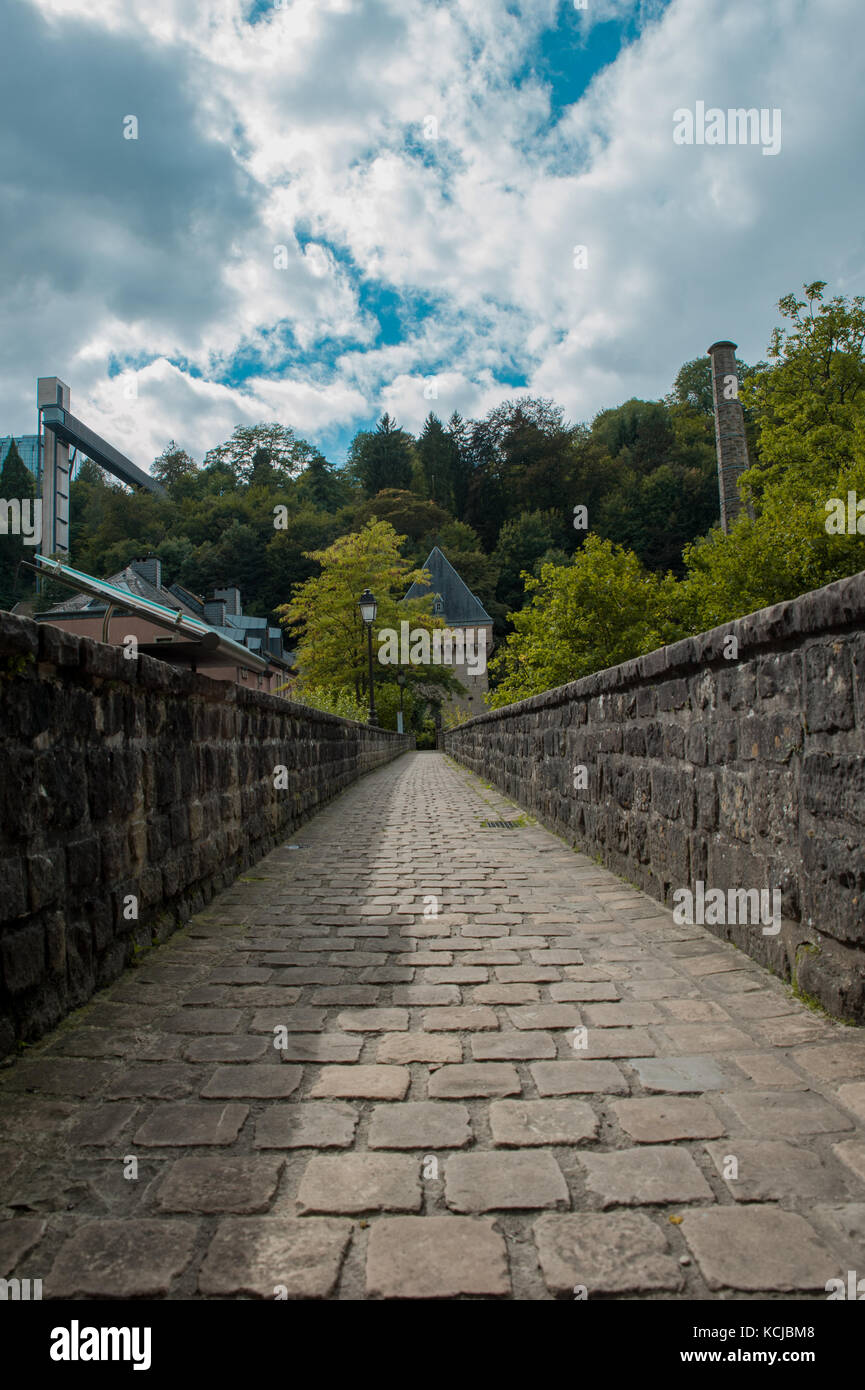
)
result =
(306, 130)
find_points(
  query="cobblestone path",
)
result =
(430, 1126)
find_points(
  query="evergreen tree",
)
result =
(383, 459)
(16, 484)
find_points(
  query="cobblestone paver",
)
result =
(406, 1056)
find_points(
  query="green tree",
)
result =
(268, 454)
(16, 484)
(410, 515)
(173, 466)
(383, 459)
(809, 401)
(523, 542)
(325, 620)
(325, 487)
(438, 455)
(602, 609)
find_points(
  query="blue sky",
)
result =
(339, 207)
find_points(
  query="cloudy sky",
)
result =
(337, 207)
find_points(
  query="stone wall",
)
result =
(126, 785)
(740, 764)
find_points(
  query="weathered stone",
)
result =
(436, 1257)
(837, 1062)
(764, 1069)
(545, 1016)
(419, 1047)
(17, 1238)
(102, 1125)
(180, 1125)
(574, 1078)
(310, 1125)
(242, 1185)
(512, 1046)
(262, 1081)
(779, 1113)
(714, 1037)
(659, 1119)
(853, 1099)
(616, 1042)
(323, 1047)
(133, 1258)
(568, 991)
(757, 1249)
(373, 1021)
(425, 1124)
(274, 1257)
(358, 1182)
(293, 1020)
(852, 1153)
(427, 994)
(163, 1081)
(622, 1253)
(504, 1181)
(61, 1078)
(466, 1019)
(364, 1082)
(475, 1079)
(204, 1021)
(680, 1073)
(505, 994)
(637, 1177)
(620, 1015)
(516, 1123)
(230, 1049)
(772, 1170)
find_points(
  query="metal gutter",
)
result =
(174, 621)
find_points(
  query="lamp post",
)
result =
(400, 680)
(368, 608)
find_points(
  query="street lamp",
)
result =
(400, 680)
(368, 608)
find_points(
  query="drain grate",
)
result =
(499, 824)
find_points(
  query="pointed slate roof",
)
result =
(461, 607)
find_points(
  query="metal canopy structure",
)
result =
(212, 648)
(74, 432)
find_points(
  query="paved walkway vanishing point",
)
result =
(429, 1128)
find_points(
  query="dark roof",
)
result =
(136, 585)
(461, 607)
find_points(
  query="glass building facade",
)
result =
(28, 448)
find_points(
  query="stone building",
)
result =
(472, 626)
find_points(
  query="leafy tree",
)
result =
(809, 401)
(640, 429)
(602, 609)
(266, 454)
(173, 465)
(656, 514)
(523, 542)
(324, 616)
(693, 386)
(409, 515)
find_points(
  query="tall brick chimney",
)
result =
(730, 441)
